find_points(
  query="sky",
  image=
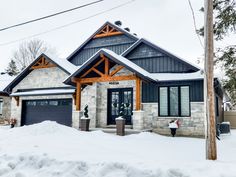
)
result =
(167, 23)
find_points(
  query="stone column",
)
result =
(76, 118)
(138, 120)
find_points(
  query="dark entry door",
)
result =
(35, 111)
(115, 98)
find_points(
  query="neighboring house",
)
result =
(227, 102)
(114, 67)
(5, 100)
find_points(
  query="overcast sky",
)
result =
(167, 23)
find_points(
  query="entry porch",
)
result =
(104, 82)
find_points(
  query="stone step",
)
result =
(128, 131)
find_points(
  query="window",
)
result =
(174, 101)
(163, 101)
(1, 105)
(217, 106)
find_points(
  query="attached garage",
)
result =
(35, 111)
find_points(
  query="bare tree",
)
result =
(28, 51)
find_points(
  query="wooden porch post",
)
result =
(106, 67)
(78, 96)
(138, 94)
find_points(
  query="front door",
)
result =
(115, 98)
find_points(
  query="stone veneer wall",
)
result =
(6, 108)
(189, 126)
(150, 112)
(43, 78)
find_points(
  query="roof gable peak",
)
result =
(147, 42)
(107, 29)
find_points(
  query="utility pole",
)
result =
(211, 152)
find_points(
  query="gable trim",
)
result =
(96, 32)
(27, 70)
(115, 58)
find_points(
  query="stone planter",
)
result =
(120, 126)
(84, 124)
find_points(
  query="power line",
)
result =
(51, 15)
(194, 22)
(66, 25)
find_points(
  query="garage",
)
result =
(36, 111)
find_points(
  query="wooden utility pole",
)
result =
(211, 152)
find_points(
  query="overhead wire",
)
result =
(68, 24)
(194, 23)
(49, 16)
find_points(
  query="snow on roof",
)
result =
(177, 76)
(121, 59)
(64, 63)
(44, 92)
(129, 63)
(5, 79)
(98, 30)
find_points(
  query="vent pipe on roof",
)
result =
(127, 29)
(118, 23)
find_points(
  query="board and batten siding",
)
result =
(150, 91)
(156, 61)
(117, 44)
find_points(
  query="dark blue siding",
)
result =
(150, 91)
(118, 44)
(156, 61)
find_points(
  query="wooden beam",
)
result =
(87, 72)
(17, 98)
(42, 63)
(74, 97)
(98, 72)
(78, 96)
(107, 31)
(106, 66)
(138, 94)
(41, 66)
(116, 70)
(108, 34)
(105, 79)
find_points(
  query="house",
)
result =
(5, 100)
(114, 66)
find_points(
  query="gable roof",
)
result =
(145, 41)
(96, 32)
(63, 64)
(117, 59)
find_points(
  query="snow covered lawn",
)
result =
(50, 150)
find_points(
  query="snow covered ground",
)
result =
(52, 150)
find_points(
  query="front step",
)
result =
(128, 131)
(114, 126)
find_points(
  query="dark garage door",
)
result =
(35, 111)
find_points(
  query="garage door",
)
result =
(35, 111)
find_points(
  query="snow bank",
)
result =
(48, 149)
